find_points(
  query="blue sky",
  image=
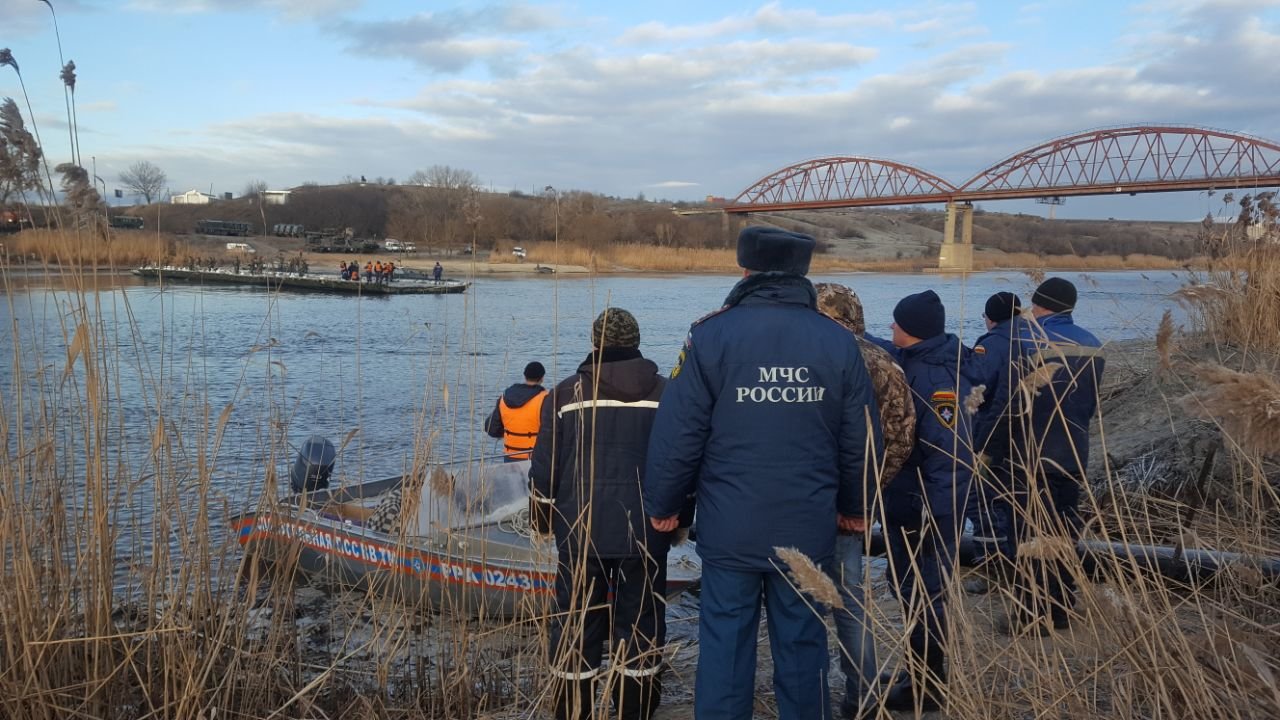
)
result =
(675, 100)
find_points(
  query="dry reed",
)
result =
(1246, 405)
(974, 399)
(809, 578)
(1165, 342)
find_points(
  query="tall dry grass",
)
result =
(71, 249)
(123, 600)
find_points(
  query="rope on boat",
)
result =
(518, 523)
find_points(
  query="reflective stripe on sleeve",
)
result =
(584, 675)
(571, 407)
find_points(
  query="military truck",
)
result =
(333, 240)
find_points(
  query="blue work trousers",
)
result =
(857, 645)
(922, 558)
(994, 506)
(725, 686)
(1054, 510)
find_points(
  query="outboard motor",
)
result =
(310, 471)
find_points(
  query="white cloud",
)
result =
(294, 9)
(448, 40)
(771, 19)
(719, 115)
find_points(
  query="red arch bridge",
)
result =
(1136, 159)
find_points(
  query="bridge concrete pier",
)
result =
(957, 256)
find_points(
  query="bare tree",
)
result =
(145, 179)
(443, 176)
(254, 188)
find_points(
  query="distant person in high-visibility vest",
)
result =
(515, 419)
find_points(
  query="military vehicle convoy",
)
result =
(333, 240)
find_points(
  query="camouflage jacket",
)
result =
(888, 381)
(897, 412)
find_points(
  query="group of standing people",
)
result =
(374, 271)
(789, 427)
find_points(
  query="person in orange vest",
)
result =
(517, 414)
(377, 271)
(368, 271)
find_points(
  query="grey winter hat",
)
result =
(615, 328)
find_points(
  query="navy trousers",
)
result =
(922, 556)
(725, 686)
(1054, 510)
(993, 507)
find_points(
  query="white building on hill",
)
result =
(192, 197)
(275, 197)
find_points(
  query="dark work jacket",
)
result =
(516, 396)
(770, 417)
(997, 360)
(941, 465)
(1053, 435)
(590, 456)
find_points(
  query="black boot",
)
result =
(637, 698)
(574, 700)
(924, 693)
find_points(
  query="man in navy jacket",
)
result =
(1063, 366)
(993, 500)
(769, 417)
(924, 504)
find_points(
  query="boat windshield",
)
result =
(480, 493)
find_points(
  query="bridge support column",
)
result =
(956, 256)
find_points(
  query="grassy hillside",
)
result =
(447, 220)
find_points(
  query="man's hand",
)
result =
(540, 516)
(666, 524)
(850, 525)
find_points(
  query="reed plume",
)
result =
(1048, 547)
(1034, 381)
(809, 578)
(1165, 343)
(1245, 405)
(974, 399)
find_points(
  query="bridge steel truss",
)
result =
(1137, 159)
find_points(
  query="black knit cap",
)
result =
(921, 315)
(766, 249)
(1056, 295)
(534, 371)
(1002, 306)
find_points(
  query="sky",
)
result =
(670, 99)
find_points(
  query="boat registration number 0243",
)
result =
(387, 557)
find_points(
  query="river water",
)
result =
(404, 368)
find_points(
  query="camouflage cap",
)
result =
(615, 328)
(841, 304)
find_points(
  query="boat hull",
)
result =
(485, 571)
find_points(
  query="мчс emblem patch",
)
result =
(675, 371)
(944, 406)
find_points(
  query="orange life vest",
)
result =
(520, 426)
